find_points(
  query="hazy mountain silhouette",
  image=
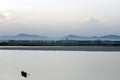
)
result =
(69, 37)
(106, 37)
(23, 37)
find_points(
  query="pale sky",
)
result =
(60, 17)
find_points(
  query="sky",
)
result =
(60, 17)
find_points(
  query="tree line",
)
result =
(59, 43)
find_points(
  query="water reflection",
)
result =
(59, 65)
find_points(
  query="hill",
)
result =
(69, 37)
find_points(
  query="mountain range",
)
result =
(68, 37)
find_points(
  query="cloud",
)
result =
(93, 26)
(92, 21)
(5, 17)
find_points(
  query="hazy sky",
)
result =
(60, 17)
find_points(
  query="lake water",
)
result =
(59, 65)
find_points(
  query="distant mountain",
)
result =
(111, 37)
(23, 37)
(31, 36)
(107, 37)
(69, 37)
(73, 37)
(26, 35)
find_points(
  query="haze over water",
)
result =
(59, 65)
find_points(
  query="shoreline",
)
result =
(63, 48)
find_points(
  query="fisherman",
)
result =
(24, 74)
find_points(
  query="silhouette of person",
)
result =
(24, 74)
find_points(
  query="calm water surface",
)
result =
(59, 65)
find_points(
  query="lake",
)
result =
(59, 65)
